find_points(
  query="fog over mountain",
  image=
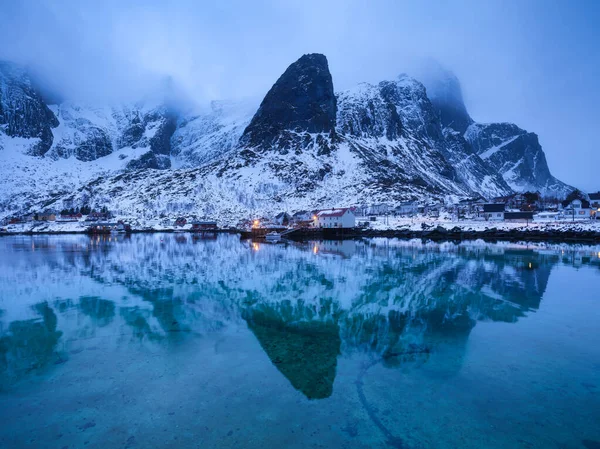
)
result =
(532, 64)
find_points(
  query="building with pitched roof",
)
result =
(342, 218)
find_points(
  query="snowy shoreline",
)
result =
(587, 231)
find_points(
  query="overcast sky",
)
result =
(534, 63)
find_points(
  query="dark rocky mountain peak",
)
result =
(301, 101)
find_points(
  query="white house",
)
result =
(577, 209)
(595, 200)
(493, 211)
(335, 218)
(378, 209)
(302, 215)
(282, 219)
(407, 208)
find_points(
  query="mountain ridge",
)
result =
(305, 146)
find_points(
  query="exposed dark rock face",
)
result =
(160, 143)
(517, 155)
(473, 171)
(96, 145)
(149, 160)
(89, 143)
(161, 124)
(396, 131)
(23, 112)
(385, 143)
(88, 139)
(410, 97)
(368, 113)
(292, 137)
(301, 101)
(86, 133)
(133, 132)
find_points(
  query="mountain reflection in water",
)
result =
(305, 303)
(174, 341)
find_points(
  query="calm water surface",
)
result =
(169, 341)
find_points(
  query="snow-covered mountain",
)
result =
(204, 136)
(304, 147)
(517, 155)
(23, 113)
(397, 123)
(505, 148)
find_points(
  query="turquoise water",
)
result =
(169, 341)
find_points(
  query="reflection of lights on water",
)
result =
(255, 246)
(315, 249)
(530, 265)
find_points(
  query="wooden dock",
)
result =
(303, 233)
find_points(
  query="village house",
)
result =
(180, 221)
(282, 219)
(362, 210)
(524, 201)
(378, 209)
(303, 218)
(123, 227)
(577, 208)
(98, 216)
(470, 207)
(432, 209)
(47, 215)
(204, 225)
(407, 208)
(302, 215)
(69, 217)
(493, 212)
(16, 220)
(342, 218)
(595, 200)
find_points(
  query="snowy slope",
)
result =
(304, 147)
(396, 119)
(517, 155)
(23, 112)
(30, 181)
(205, 136)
